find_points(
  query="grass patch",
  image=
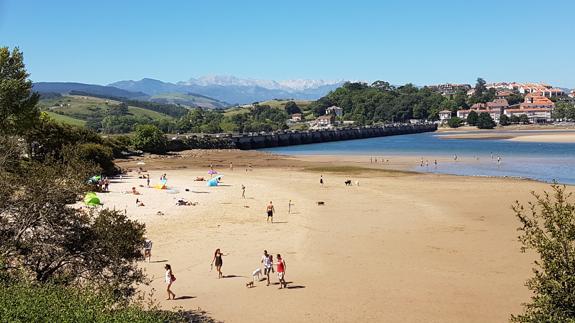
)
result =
(354, 170)
(66, 119)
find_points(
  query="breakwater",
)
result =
(290, 138)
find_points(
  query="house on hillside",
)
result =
(296, 117)
(494, 108)
(444, 116)
(325, 121)
(335, 110)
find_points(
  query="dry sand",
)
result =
(556, 137)
(399, 247)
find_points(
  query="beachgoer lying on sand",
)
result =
(199, 179)
(134, 191)
(181, 202)
(139, 203)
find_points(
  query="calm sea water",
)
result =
(539, 161)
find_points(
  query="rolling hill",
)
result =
(164, 95)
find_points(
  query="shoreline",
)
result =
(553, 135)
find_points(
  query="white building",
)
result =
(444, 116)
(334, 110)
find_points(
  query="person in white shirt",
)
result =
(267, 261)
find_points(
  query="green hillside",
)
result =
(189, 99)
(77, 109)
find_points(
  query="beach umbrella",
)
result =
(91, 199)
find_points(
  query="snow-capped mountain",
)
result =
(235, 90)
(285, 85)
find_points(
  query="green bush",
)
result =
(454, 122)
(484, 121)
(98, 154)
(149, 138)
(25, 302)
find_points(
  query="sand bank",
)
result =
(399, 247)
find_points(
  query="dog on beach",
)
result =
(348, 182)
(250, 284)
(256, 274)
(320, 203)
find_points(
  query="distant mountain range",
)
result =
(208, 91)
(235, 90)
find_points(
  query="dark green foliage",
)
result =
(18, 109)
(381, 102)
(454, 122)
(484, 121)
(504, 120)
(24, 302)
(481, 93)
(524, 119)
(199, 120)
(514, 119)
(48, 138)
(118, 110)
(514, 98)
(149, 138)
(548, 228)
(99, 155)
(564, 111)
(472, 118)
(291, 108)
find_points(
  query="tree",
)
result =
(291, 107)
(472, 118)
(18, 109)
(454, 122)
(524, 119)
(514, 119)
(43, 237)
(484, 121)
(119, 110)
(149, 138)
(548, 228)
(504, 120)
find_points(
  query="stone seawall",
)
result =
(290, 138)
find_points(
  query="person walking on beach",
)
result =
(170, 279)
(243, 191)
(321, 180)
(281, 271)
(148, 180)
(231, 166)
(219, 262)
(289, 207)
(267, 261)
(148, 249)
(270, 211)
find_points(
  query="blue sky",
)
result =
(422, 42)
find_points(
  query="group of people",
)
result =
(268, 263)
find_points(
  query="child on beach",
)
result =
(148, 249)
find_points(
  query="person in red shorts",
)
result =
(281, 265)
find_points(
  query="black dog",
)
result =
(348, 182)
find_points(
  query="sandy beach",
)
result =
(528, 135)
(400, 246)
